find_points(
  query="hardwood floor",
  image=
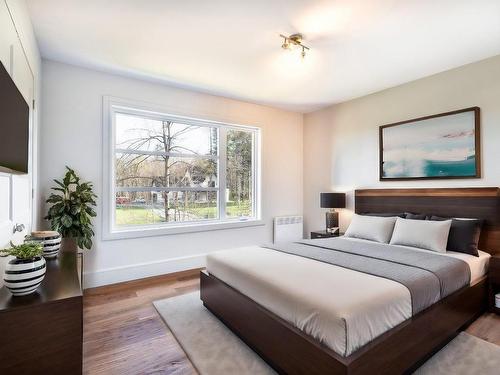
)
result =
(123, 333)
(487, 327)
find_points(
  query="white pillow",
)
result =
(374, 228)
(424, 234)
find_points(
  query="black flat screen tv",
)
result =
(14, 125)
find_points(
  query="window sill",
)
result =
(137, 232)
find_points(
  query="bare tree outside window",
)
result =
(239, 173)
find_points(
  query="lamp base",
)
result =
(332, 220)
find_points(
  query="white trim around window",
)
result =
(112, 106)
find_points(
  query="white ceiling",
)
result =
(232, 47)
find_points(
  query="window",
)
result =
(170, 171)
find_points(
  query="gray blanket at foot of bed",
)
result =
(429, 277)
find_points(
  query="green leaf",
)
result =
(66, 221)
(60, 184)
(87, 243)
(54, 198)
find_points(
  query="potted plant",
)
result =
(72, 209)
(25, 272)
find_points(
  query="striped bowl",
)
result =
(50, 240)
(23, 276)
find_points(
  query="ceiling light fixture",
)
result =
(294, 40)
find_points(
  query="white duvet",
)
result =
(342, 308)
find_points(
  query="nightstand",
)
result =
(324, 234)
(494, 281)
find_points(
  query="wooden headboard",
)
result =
(481, 203)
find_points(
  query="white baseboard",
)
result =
(142, 270)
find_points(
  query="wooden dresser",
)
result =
(43, 333)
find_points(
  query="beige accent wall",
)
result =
(341, 141)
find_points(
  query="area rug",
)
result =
(215, 350)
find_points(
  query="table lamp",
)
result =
(332, 201)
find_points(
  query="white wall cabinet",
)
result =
(15, 189)
(8, 36)
(6, 224)
(21, 73)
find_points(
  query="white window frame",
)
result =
(111, 106)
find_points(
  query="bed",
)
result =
(300, 320)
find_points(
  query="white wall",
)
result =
(72, 135)
(341, 141)
(20, 56)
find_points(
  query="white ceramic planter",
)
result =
(23, 276)
(50, 240)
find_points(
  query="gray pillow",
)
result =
(384, 214)
(409, 215)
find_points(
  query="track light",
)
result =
(294, 40)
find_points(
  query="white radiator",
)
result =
(288, 228)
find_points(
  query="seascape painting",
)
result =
(441, 146)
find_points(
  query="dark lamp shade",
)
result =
(332, 200)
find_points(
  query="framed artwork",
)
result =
(446, 145)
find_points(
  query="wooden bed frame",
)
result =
(401, 349)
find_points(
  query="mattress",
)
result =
(342, 308)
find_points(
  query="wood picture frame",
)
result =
(434, 168)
